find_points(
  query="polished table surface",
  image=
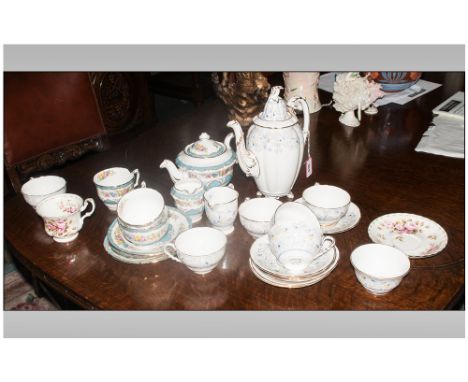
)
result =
(375, 162)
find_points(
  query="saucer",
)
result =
(177, 222)
(350, 220)
(263, 258)
(269, 279)
(415, 235)
(132, 259)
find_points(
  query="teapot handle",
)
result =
(305, 112)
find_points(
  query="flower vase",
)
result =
(305, 85)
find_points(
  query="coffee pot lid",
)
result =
(275, 107)
(205, 147)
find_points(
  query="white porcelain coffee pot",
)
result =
(274, 147)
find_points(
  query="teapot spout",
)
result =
(172, 169)
(247, 160)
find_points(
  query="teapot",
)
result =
(210, 161)
(273, 151)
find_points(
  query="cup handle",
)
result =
(168, 253)
(332, 244)
(136, 174)
(87, 214)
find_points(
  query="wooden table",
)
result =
(375, 162)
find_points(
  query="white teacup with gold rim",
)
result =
(38, 189)
(255, 215)
(62, 215)
(296, 238)
(113, 183)
(328, 203)
(200, 249)
(295, 244)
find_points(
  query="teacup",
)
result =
(378, 267)
(142, 216)
(200, 249)
(38, 189)
(113, 183)
(62, 215)
(255, 215)
(188, 197)
(328, 203)
(293, 211)
(221, 204)
(295, 244)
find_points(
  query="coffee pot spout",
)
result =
(247, 160)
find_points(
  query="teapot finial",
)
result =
(275, 108)
(274, 94)
(204, 136)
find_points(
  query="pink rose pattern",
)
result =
(59, 227)
(68, 207)
(409, 227)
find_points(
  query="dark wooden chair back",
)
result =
(49, 118)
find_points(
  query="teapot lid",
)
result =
(276, 113)
(205, 147)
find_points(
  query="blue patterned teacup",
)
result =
(113, 183)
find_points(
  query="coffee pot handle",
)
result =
(87, 214)
(168, 253)
(136, 174)
(305, 113)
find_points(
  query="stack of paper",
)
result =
(446, 137)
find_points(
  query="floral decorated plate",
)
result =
(177, 222)
(350, 220)
(263, 258)
(414, 235)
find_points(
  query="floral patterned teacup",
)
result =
(379, 268)
(62, 215)
(221, 205)
(142, 216)
(295, 244)
(113, 183)
(328, 203)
